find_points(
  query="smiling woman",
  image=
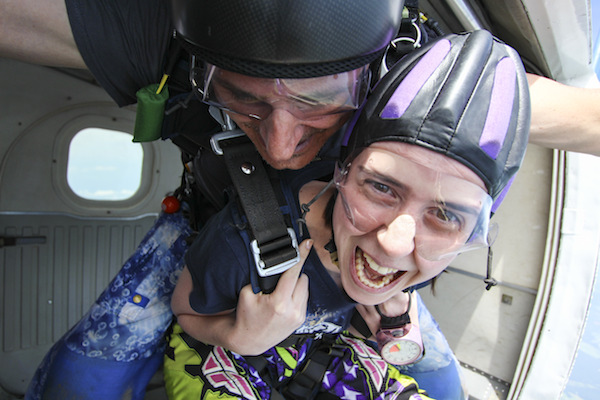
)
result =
(446, 201)
(397, 222)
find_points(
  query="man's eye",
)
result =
(235, 95)
(245, 98)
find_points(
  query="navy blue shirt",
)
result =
(221, 264)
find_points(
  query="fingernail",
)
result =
(309, 244)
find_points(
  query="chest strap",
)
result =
(305, 384)
(274, 245)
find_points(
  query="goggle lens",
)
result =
(307, 99)
(450, 214)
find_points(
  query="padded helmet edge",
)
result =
(287, 38)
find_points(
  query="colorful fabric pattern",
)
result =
(194, 370)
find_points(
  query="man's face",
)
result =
(288, 120)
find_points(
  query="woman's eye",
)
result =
(447, 219)
(380, 193)
(380, 187)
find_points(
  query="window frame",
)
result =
(61, 155)
(97, 133)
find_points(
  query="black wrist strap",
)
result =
(395, 322)
(359, 323)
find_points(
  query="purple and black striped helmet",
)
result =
(464, 95)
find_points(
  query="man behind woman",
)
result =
(424, 165)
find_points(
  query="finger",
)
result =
(369, 314)
(368, 311)
(300, 293)
(246, 296)
(288, 280)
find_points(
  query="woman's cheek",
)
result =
(431, 269)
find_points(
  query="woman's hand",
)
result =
(264, 320)
(259, 322)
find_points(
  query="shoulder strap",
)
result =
(274, 247)
(359, 323)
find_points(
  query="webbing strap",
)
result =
(254, 190)
(307, 382)
(274, 247)
(359, 323)
(260, 363)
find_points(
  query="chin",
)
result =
(297, 161)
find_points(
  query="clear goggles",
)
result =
(450, 215)
(256, 98)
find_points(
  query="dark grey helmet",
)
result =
(464, 95)
(287, 38)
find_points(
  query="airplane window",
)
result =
(104, 165)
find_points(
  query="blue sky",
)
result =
(104, 165)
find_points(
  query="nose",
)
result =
(397, 239)
(281, 132)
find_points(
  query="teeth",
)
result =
(388, 274)
(376, 267)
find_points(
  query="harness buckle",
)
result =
(222, 136)
(277, 256)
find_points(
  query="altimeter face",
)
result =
(401, 351)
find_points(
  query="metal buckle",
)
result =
(277, 268)
(216, 138)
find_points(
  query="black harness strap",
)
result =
(260, 363)
(274, 246)
(359, 323)
(305, 384)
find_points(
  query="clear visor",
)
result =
(256, 98)
(443, 214)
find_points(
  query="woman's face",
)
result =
(402, 214)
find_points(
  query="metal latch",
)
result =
(218, 137)
(267, 268)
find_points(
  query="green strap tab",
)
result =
(150, 113)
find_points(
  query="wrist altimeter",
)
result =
(399, 341)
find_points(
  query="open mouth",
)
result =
(371, 274)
